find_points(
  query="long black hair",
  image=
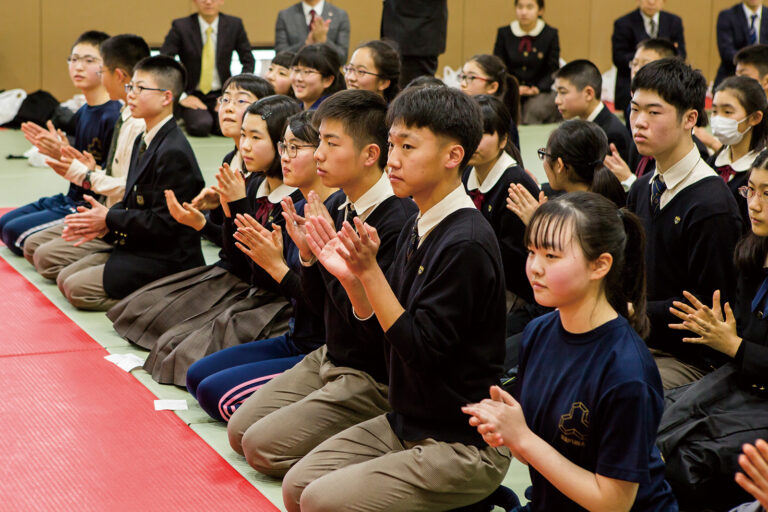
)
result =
(751, 251)
(275, 111)
(508, 90)
(599, 227)
(387, 61)
(496, 119)
(751, 95)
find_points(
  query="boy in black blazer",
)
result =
(648, 21)
(744, 24)
(149, 243)
(578, 85)
(207, 66)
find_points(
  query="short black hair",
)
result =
(322, 57)
(275, 111)
(362, 113)
(283, 58)
(751, 95)
(582, 73)
(303, 128)
(755, 55)
(442, 110)
(664, 47)
(497, 119)
(254, 84)
(123, 52)
(540, 3)
(167, 71)
(91, 37)
(677, 83)
(425, 81)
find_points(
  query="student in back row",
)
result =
(94, 124)
(204, 43)
(46, 249)
(149, 244)
(579, 85)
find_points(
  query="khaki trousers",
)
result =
(674, 372)
(368, 468)
(296, 411)
(50, 253)
(82, 283)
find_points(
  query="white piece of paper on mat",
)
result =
(126, 362)
(170, 405)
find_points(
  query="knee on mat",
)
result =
(42, 263)
(73, 293)
(258, 449)
(207, 396)
(318, 498)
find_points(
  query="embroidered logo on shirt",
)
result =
(574, 425)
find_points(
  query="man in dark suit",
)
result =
(310, 22)
(646, 22)
(419, 27)
(744, 24)
(204, 43)
(148, 242)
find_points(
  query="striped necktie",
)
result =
(753, 30)
(657, 188)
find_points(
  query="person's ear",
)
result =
(122, 76)
(560, 168)
(600, 267)
(371, 154)
(755, 118)
(327, 81)
(492, 88)
(383, 84)
(167, 98)
(503, 142)
(690, 118)
(454, 156)
(589, 93)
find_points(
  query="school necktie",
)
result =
(642, 165)
(263, 207)
(207, 63)
(657, 188)
(142, 148)
(654, 32)
(113, 145)
(726, 172)
(413, 241)
(312, 16)
(350, 214)
(753, 30)
(477, 198)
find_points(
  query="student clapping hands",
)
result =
(715, 326)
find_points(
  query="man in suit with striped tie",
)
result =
(744, 24)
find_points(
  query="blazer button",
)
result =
(760, 314)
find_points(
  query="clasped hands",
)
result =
(87, 224)
(715, 326)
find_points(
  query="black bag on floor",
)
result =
(37, 107)
(700, 437)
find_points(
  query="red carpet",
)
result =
(78, 433)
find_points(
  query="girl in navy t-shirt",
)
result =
(589, 398)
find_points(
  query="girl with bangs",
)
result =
(588, 398)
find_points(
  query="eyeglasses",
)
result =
(302, 72)
(749, 192)
(463, 77)
(351, 70)
(72, 60)
(138, 89)
(542, 152)
(291, 149)
(226, 100)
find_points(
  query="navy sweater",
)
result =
(447, 348)
(689, 246)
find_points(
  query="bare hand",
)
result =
(359, 249)
(86, 225)
(325, 245)
(85, 157)
(319, 31)
(184, 213)
(714, 329)
(193, 102)
(522, 203)
(294, 226)
(616, 164)
(754, 480)
(500, 421)
(48, 141)
(263, 246)
(207, 199)
(230, 184)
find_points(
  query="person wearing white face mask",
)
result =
(740, 123)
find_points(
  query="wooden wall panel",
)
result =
(35, 40)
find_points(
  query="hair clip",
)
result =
(266, 115)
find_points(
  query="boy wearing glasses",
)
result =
(691, 220)
(46, 249)
(148, 243)
(94, 123)
(578, 87)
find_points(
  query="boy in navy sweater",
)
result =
(343, 382)
(94, 123)
(441, 307)
(691, 219)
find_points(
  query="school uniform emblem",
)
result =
(573, 425)
(677, 220)
(140, 200)
(421, 270)
(490, 207)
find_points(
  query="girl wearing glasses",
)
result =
(375, 67)
(487, 74)
(225, 379)
(740, 123)
(531, 51)
(315, 74)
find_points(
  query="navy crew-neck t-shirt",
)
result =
(597, 399)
